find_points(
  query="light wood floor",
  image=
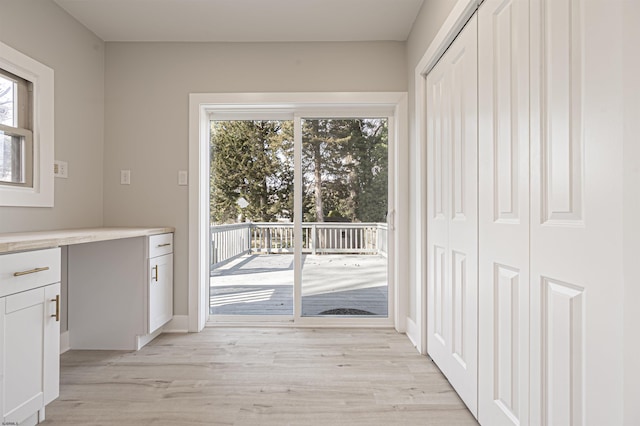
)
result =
(258, 376)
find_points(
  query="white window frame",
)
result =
(41, 191)
(201, 106)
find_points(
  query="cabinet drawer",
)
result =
(30, 269)
(160, 244)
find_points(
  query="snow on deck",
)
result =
(261, 284)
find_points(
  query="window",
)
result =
(16, 133)
(26, 130)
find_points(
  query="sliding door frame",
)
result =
(392, 105)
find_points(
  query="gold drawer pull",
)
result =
(57, 314)
(155, 268)
(32, 271)
(163, 245)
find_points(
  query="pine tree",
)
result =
(251, 160)
(344, 164)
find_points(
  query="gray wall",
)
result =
(147, 93)
(43, 31)
(631, 86)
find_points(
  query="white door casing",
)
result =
(503, 132)
(452, 227)
(386, 104)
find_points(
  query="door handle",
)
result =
(30, 271)
(57, 314)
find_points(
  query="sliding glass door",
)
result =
(251, 205)
(299, 218)
(345, 185)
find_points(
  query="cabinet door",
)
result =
(160, 291)
(52, 307)
(29, 343)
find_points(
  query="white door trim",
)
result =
(200, 105)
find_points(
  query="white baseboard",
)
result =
(179, 324)
(413, 333)
(64, 342)
(141, 341)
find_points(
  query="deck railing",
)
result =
(230, 241)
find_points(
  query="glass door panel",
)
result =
(344, 225)
(251, 205)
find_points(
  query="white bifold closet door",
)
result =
(550, 152)
(503, 131)
(452, 227)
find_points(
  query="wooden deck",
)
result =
(263, 285)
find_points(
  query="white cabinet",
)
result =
(120, 292)
(29, 334)
(160, 283)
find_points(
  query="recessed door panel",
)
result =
(507, 330)
(439, 294)
(562, 142)
(563, 352)
(460, 310)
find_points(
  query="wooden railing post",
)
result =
(313, 239)
(267, 240)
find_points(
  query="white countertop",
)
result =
(19, 241)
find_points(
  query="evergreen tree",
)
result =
(344, 165)
(251, 160)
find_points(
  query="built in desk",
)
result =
(103, 288)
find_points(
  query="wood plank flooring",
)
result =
(258, 376)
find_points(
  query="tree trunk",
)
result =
(318, 181)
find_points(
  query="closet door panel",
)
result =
(438, 324)
(576, 211)
(438, 290)
(503, 47)
(452, 228)
(463, 221)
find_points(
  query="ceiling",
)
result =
(246, 20)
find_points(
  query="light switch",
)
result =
(183, 177)
(125, 177)
(60, 169)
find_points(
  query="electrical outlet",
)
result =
(60, 169)
(125, 177)
(183, 177)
